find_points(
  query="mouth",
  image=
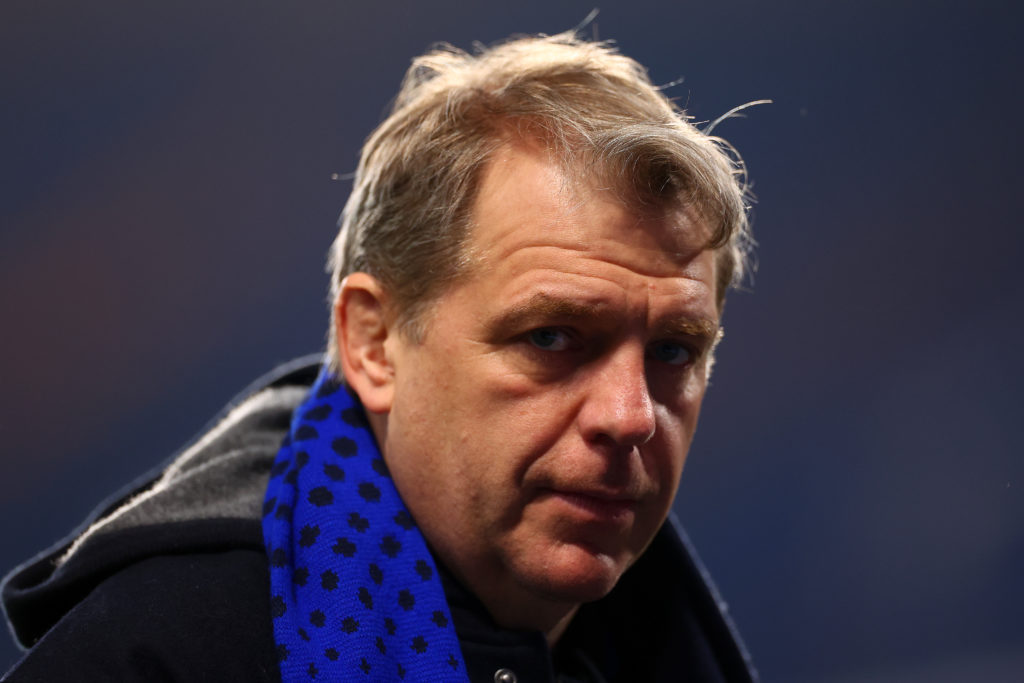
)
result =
(596, 506)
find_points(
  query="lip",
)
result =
(597, 505)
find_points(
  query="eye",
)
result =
(550, 339)
(670, 352)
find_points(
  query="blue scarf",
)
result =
(355, 594)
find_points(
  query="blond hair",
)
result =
(407, 219)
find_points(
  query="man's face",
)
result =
(538, 430)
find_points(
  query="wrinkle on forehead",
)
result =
(524, 177)
(598, 258)
(676, 231)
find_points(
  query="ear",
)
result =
(361, 329)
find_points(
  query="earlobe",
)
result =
(362, 328)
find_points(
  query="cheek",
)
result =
(421, 428)
(686, 409)
(520, 414)
(674, 434)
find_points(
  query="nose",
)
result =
(618, 409)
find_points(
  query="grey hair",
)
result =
(407, 220)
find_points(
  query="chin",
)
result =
(576, 574)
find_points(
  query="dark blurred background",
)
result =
(166, 201)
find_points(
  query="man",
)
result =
(526, 294)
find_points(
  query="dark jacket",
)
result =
(169, 582)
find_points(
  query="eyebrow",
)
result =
(701, 328)
(543, 306)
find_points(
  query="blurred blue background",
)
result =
(166, 201)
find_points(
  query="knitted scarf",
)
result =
(355, 594)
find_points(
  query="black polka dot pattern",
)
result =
(404, 519)
(390, 546)
(318, 413)
(380, 467)
(268, 506)
(308, 535)
(355, 595)
(369, 492)
(344, 547)
(305, 432)
(355, 417)
(321, 496)
(344, 446)
(358, 522)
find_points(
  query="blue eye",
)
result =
(550, 339)
(671, 353)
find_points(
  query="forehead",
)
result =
(530, 209)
